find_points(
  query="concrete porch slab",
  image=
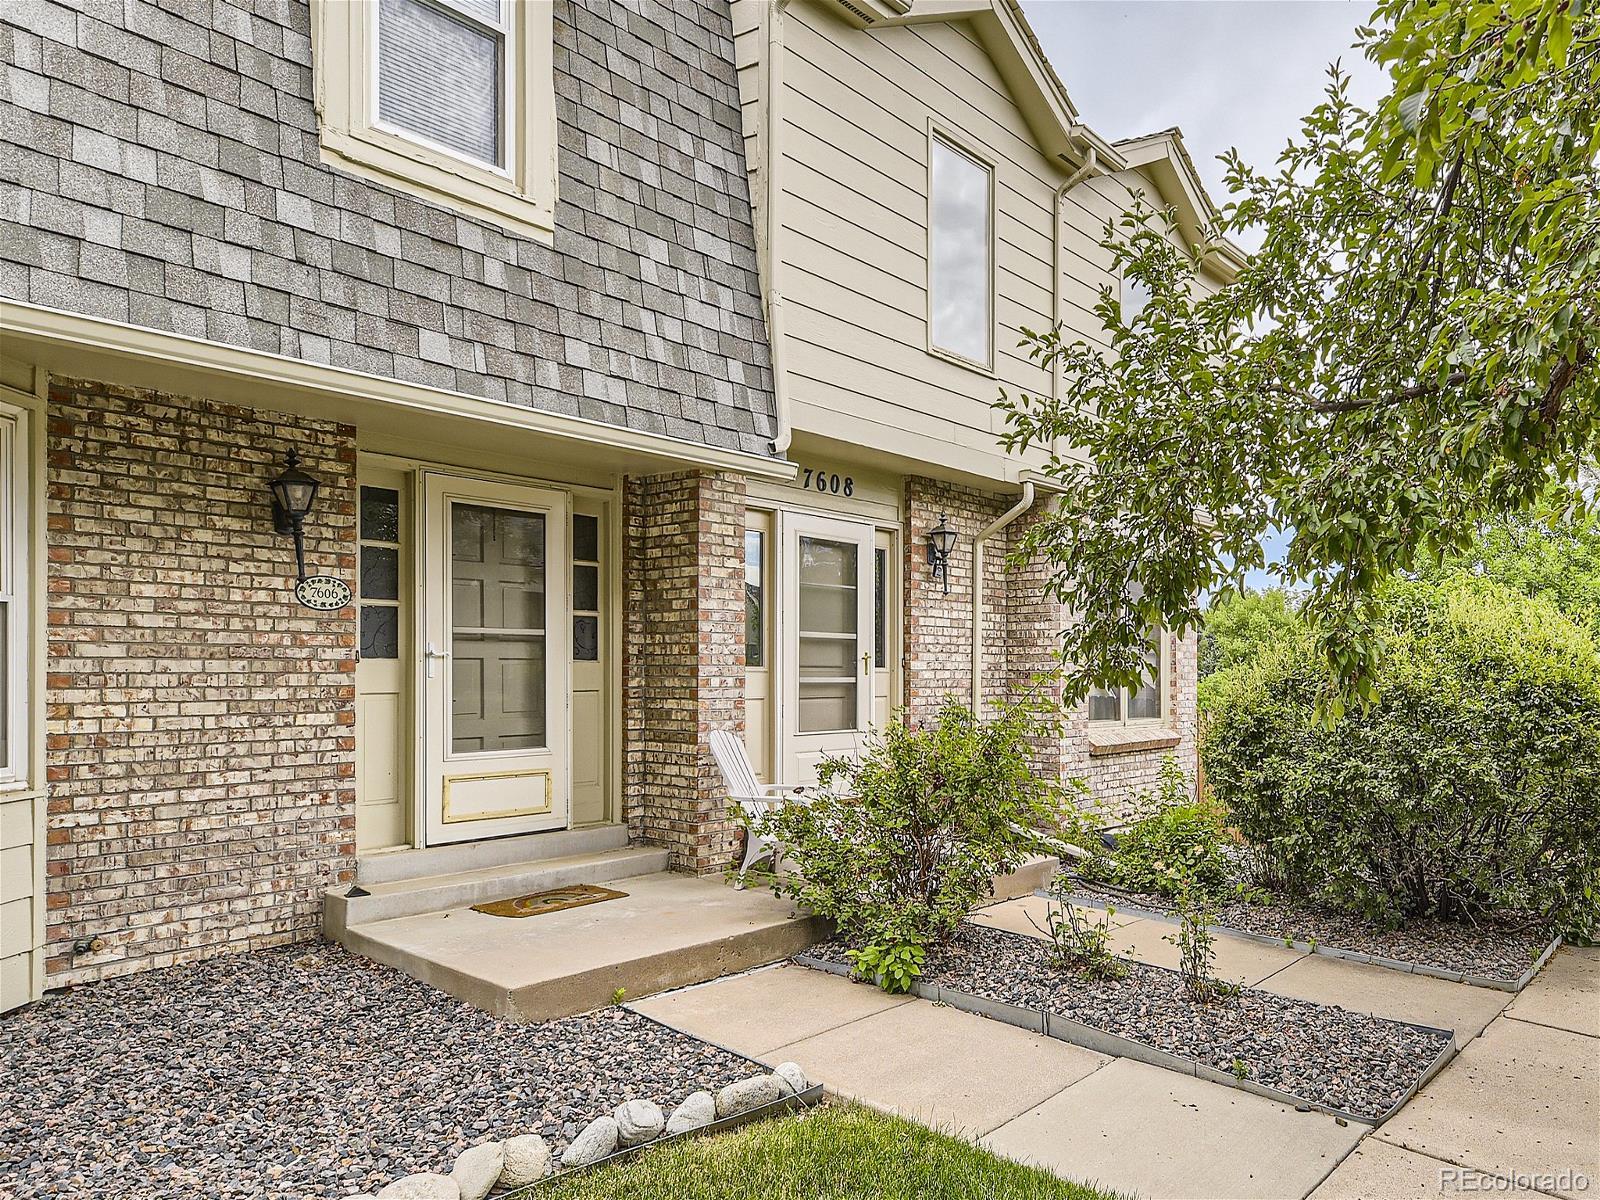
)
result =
(1420, 999)
(668, 931)
(948, 1069)
(757, 1012)
(1376, 1170)
(1522, 1100)
(1134, 1128)
(1566, 994)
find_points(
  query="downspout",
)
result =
(1024, 502)
(1090, 166)
(774, 224)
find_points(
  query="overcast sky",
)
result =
(1227, 72)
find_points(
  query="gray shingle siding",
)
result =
(161, 167)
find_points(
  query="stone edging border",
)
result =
(1375, 960)
(1066, 1029)
(777, 1108)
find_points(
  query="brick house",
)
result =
(515, 326)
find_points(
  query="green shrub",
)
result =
(1240, 624)
(1174, 845)
(932, 814)
(1471, 785)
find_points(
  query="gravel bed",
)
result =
(1357, 1063)
(302, 1072)
(1501, 950)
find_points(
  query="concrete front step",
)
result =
(1034, 873)
(461, 889)
(667, 932)
(388, 866)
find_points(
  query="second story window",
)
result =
(441, 73)
(960, 250)
(452, 101)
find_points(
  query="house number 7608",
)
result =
(830, 482)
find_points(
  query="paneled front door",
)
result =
(496, 659)
(827, 623)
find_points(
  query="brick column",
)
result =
(683, 659)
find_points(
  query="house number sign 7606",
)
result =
(830, 482)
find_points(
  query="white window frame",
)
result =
(518, 194)
(1163, 688)
(16, 590)
(938, 134)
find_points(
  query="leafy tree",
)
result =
(1239, 624)
(1411, 353)
(1537, 553)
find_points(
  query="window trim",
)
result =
(1163, 695)
(17, 586)
(960, 145)
(519, 196)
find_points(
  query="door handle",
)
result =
(866, 663)
(433, 656)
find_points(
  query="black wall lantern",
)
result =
(941, 544)
(293, 494)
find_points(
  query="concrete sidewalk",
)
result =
(1520, 1100)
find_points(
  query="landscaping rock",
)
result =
(791, 1079)
(527, 1160)
(477, 1168)
(426, 1185)
(747, 1094)
(638, 1121)
(698, 1111)
(598, 1139)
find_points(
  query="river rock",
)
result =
(477, 1168)
(598, 1139)
(527, 1161)
(791, 1079)
(747, 1094)
(426, 1185)
(638, 1121)
(696, 1112)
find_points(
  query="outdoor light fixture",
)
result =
(293, 494)
(941, 543)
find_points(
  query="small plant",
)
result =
(618, 996)
(1176, 843)
(1078, 944)
(894, 968)
(1197, 952)
(1241, 1069)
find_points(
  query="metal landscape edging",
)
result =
(1069, 1029)
(1358, 956)
(797, 1102)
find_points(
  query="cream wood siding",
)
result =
(21, 900)
(857, 109)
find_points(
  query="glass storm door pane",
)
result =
(497, 629)
(828, 635)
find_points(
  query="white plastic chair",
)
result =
(751, 795)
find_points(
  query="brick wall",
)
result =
(683, 659)
(201, 751)
(1021, 641)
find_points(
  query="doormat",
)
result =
(551, 901)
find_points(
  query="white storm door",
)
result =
(827, 640)
(496, 659)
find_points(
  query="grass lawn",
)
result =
(831, 1152)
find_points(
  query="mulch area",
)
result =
(1353, 1062)
(1501, 950)
(302, 1072)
